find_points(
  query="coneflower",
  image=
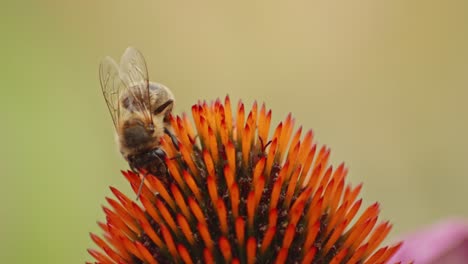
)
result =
(232, 194)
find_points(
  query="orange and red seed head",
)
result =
(232, 193)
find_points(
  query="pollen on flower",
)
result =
(233, 194)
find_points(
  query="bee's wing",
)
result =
(112, 87)
(134, 75)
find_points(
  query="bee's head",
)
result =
(138, 134)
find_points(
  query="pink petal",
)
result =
(445, 242)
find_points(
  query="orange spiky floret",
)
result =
(232, 194)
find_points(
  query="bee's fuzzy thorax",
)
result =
(234, 194)
(135, 103)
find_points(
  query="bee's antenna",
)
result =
(141, 185)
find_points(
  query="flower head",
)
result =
(234, 194)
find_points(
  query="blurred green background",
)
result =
(383, 83)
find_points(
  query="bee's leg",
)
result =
(174, 139)
(175, 142)
(164, 107)
(133, 168)
(140, 188)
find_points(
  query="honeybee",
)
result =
(140, 111)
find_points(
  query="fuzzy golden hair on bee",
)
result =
(140, 109)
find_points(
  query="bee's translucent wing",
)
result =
(112, 87)
(134, 75)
